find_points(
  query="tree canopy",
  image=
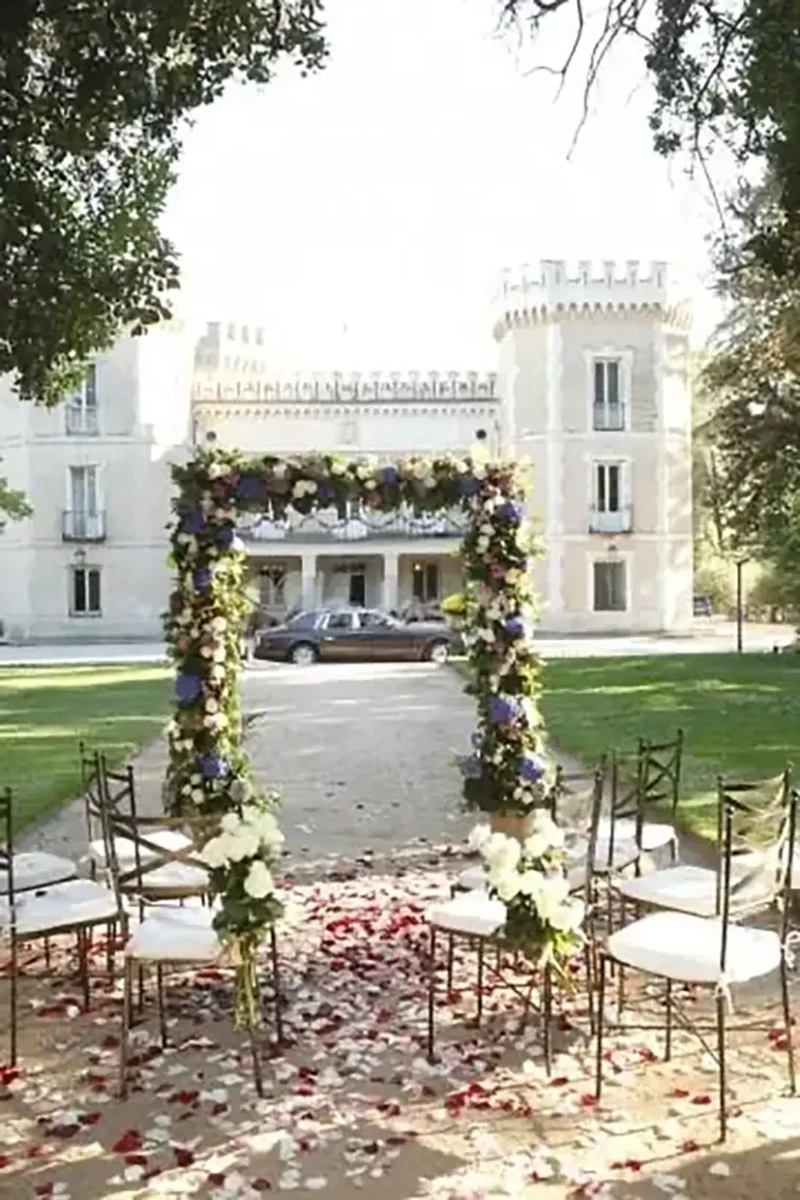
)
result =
(93, 100)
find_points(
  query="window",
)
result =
(304, 620)
(608, 487)
(374, 620)
(607, 395)
(81, 407)
(425, 581)
(610, 587)
(341, 621)
(84, 518)
(84, 600)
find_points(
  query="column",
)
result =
(391, 570)
(308, 587)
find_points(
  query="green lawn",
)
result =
(740, 714)
(44, 711)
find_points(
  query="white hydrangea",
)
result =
(478, 837)
(214, 853)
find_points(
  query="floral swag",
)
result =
(208, 776)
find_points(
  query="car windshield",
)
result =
(303, 620)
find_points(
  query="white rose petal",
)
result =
(259, 882)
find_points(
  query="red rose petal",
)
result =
(701, 1098)
(90, 1118)
(129, 1143)
(680, 1093)
(5, 1161)
(215, 1179)
(690, 1146)
(183, 1157)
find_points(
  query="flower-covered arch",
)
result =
(208, 774)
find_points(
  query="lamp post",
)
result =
(740, 562)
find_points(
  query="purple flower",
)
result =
(212, 766)
(249, 488)
(187, 688)
(531, 768)
(389, 476)
(224, 536)
(468, 486)
(202, 579)
(325, 493)
(511, 512)
(471, 766)
(504, 709)
(194, 522)
(514, 626)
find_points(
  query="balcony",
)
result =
(619, 521)
(327, 526)
(82, 526)
(608, 417)
(81, 421)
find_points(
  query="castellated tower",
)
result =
(595, 392)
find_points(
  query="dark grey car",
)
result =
(342, 635)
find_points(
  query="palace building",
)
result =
(591, 385)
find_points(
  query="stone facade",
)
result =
(591, 385)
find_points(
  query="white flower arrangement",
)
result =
(252, 835)
(542, 919)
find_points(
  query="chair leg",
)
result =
(276, 984)
(111, 942)
(127, 1020)
(162, 1011)
(787, 1023)
(451, 946)
(590, 981)
(253, 1032)
(668, 1039)
(47, 953)
(13, 983)
(479, 1013)
(601, 996)
(723, 1108)
(431, 994)
(83, 960)
(547, 1019)
(140, 984)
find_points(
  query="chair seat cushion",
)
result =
(77, 902)
(685, 948)
(654, 835)
(175, 939)
(472, 879)
(172, 877)
(469, 912)
(693, 890)
(166, 839)
(37, 869)
(625, 853)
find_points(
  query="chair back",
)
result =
(661, 772)
(756, 839)
(134, 876)
(6, 847)
(89, 761)
(625, 802)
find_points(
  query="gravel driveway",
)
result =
(363, 754)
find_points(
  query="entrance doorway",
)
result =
(358, 589)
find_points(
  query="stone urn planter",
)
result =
(516, 825)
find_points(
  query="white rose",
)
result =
(536, 846)
(530, 883)
(338, 468)
(241, 845)
(219, 624)
(568, 917)
(198, 795)
(259, 883)
(214, 852)
(552, 894)
(479, 837)
(506, 884)
(545, 827)
(217, 470)
(211, 705)
(230, 823)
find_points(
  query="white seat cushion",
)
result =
(625, 853)
(682, 947)
(654, 835)
(469, 912)
(37, 869)
(473, 879)
(165, 839)
(176, 938)
(77, 902)
(693, 890)
(172, 876)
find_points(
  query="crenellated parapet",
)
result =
(558, 290)
(348, 388)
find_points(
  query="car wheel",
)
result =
(438, 653)
(303, 654)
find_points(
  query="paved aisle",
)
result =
(363, 752)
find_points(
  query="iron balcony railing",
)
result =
(618, 521)
(608, 416)
(81, 422)
(328, 526)
(78, 526)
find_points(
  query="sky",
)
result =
(363, 214)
